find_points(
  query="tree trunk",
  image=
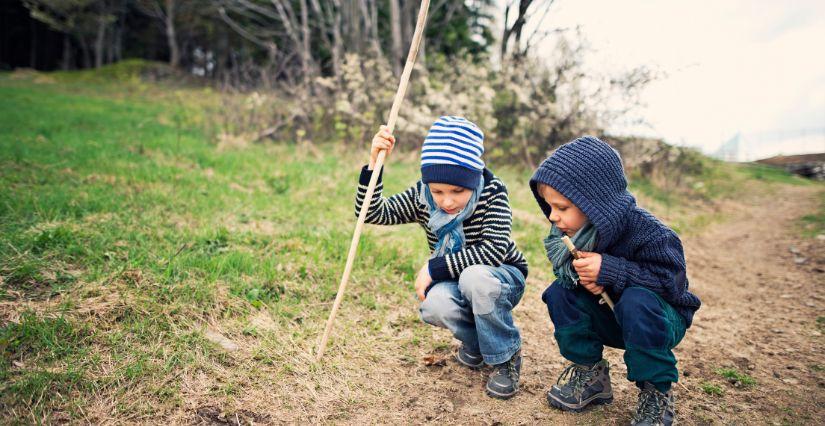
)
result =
(422, 49)
(515, 30)
(306, 57)
(395, 22)
(119, 44)
(363, 9)
(101, 33)
(33, 45)
(407, 27)
(337, 45)
(84, 49)
(117, 39)
(354, 24)
(171, 37)
(67, 53)
(373, 11)
(110, 45)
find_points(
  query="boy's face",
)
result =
(564, 214)
(450, 198)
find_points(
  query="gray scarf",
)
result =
(449, 228)
(560, 257)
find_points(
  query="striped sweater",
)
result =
(487, 230)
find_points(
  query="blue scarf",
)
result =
(560, 257)
(449, 228)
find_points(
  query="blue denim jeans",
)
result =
(478, 310)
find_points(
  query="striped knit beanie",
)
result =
(452, 153)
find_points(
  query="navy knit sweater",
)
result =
(487, 230)
(637, 249)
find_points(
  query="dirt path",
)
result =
(759, 318)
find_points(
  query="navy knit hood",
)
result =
(589, 173)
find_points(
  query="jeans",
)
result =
(643, 324)
(478, 310)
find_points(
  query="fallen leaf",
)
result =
(432, 360)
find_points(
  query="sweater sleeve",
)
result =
(659, 265)
(492, 249)
(399, 208)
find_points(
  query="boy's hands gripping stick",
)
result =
(575, 253)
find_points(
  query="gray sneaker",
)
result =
(503, 382)
(655, 408)
(469, 359)
(585, 386)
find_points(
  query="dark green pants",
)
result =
(643, 324)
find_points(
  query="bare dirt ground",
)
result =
(761, 316)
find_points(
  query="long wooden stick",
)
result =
(575, 253)
(379, 163)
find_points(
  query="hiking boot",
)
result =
(503, 382)
(655, 408)
(585, 386)
(469, 359)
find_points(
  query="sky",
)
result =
(750, 67)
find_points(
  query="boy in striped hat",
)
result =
(475, 275)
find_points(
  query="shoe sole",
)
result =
(498, 395)
(598, 399)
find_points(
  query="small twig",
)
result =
(575, 253)
(180, 249)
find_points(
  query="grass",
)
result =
(126, 232)
(712, 389)
(139, 232)
(814, 224)
(764, 173)
(50, 350)
(737, 378)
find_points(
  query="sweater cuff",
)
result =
(439, 271)
(366, 174)
(612, 273)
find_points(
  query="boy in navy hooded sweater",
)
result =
(626, 252)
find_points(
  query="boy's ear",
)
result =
(535, 189)
(540, 188)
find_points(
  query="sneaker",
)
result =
(655, 408)
(469, 359)
(503, 382)
(585, 386)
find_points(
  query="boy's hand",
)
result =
(423, 281)
(588, 266)
(592, 287)
(382, 140)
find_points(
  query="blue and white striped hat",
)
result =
(452, 153)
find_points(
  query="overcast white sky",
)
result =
(750, 66)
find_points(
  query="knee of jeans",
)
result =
(437, 308)
(561, 305)
(478, 285)
(642, 318)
